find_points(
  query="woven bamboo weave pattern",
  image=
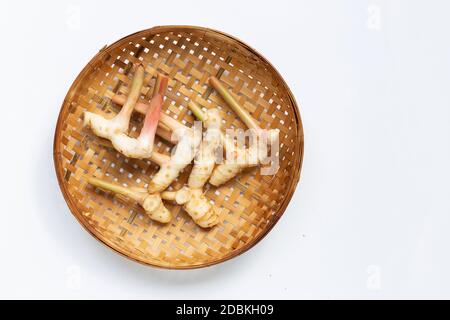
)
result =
(249, 205)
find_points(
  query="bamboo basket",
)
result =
(249, 205)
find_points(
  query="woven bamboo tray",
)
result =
(249, 206)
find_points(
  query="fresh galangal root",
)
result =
(142, 147)
(185, 150)
(106, 128)
(195, 204)
(204, 168)
(193, 201)
(237, 161)
(151, 203)
(240, 158)
(205, 159)
(191, 197)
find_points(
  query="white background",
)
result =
(370, 218)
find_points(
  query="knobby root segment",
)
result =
(195, 204)
(185, 151)
(238, 158)
(204, 168)
(193, 201)
(156, 157)
(257, 152)
(244, 158)
(184, 154)
(206, 155)
(151, 203)
(224, 172)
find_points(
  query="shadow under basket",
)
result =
(248, 206)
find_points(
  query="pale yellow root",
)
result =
(257, 154)
(237, 160)
(204, 167)
(155, 208)
(195, 204)
(200, 173)
(225, 172)
(169, 171)
(205, 159)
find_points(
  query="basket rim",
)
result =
(123, 252)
